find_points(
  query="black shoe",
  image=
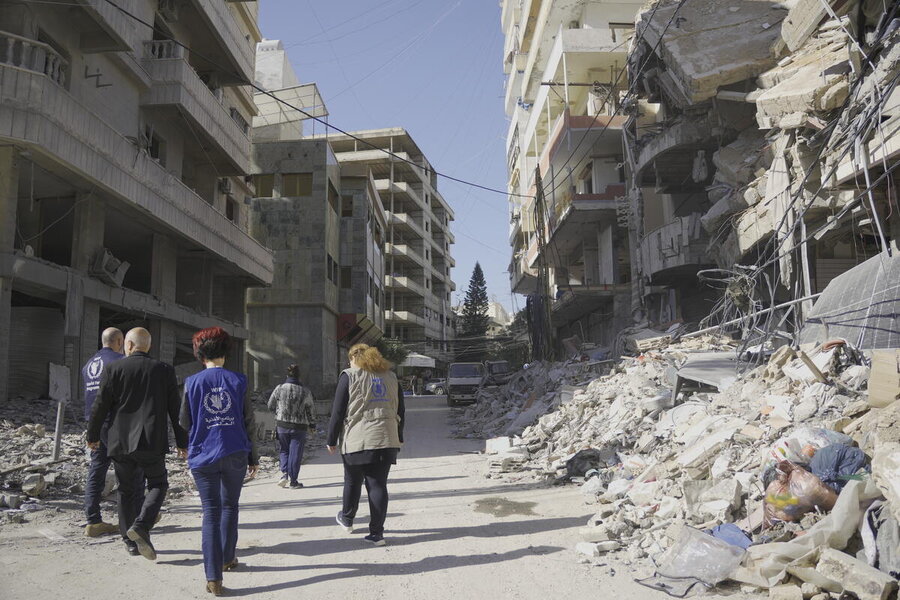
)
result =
(142, 539)
(345, 523)
(296, 485)
(376, 539)
(132, 548)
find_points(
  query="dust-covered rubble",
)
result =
(757, 464)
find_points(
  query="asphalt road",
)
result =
(451, 534)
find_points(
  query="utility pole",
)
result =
(545, 326)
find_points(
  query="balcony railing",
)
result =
(176, 83)
(85, 143)
(32, 55)
(679, 243)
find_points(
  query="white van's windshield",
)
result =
(466, 370)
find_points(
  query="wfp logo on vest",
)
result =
(217, 401)
(379, 391)
(95, 367)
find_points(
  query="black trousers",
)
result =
(375, 476)
(128, 467)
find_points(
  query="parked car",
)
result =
(436, 386)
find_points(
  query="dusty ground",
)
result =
(441, 542)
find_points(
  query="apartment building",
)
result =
(326, 224)
(418, 283)
(123, 164)
(565, 63)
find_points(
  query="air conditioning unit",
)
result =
(225, 186)
(108, 268)
(168, 10)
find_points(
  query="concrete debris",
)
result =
(652, 461)
(867, 583)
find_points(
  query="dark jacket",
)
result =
(293, 405)
(139, 392)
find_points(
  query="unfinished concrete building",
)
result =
(326, 225)
(417, 283)
(564, 63)
(123, 159)
(761, 144)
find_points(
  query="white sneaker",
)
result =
(283, 481)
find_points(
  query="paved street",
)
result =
(439, 545)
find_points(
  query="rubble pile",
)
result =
(781, 453)
(34, 486)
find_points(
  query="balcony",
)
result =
(36, 112)
(522, 279)
(404, 251)
(404, 317)
(241, 50)
(577, 301)
(406, 221)
(579, 216)
(402, 283)
(675, 249)
(385, 187)
(176, 84)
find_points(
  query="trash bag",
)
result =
(801, 445)
(701, 556)
(793, 493)
(585, 460)
(835, 464)
(732, 534)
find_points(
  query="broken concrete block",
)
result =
(598, 533)
(497, 445)
(785, 592)
(804, 17)
(587, 549)
(867, 583)
(34, 485)
(809, 590)
(704, 450)
(886, 474)
(11, 500)
(642, 494)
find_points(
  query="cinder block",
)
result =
(868, 583)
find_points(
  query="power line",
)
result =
(327, 125)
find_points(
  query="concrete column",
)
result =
(90, 343)
(163, 344)
(606, 254)
(87, 232)
(72, 334)
(163, 269)
(9, 191)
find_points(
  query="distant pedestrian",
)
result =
(219, 419)
(112, 341)
(367, 424)
(136, 394)
(294, 408)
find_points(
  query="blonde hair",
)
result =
(368, 358)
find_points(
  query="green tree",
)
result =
(392, 349)
(475, 320)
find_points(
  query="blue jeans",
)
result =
(219, 485)
(96, 480)
(292, 442)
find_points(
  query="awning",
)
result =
(415, 359)
(860, 306)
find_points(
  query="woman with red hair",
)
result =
(218, 418)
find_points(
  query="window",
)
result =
(231, 209)
(296, 184)
(345, 278)
(332, 197)
(346, 206)
(426, 226)
(154, 145)
(264, 185)
(238, 118)
(333, 272)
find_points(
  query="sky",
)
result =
(433, 68)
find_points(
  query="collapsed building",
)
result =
(761, 147)
(123, 165)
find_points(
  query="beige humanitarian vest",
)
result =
(372, 420)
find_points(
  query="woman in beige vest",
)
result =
(367, 423)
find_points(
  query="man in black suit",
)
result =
(139, 392)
